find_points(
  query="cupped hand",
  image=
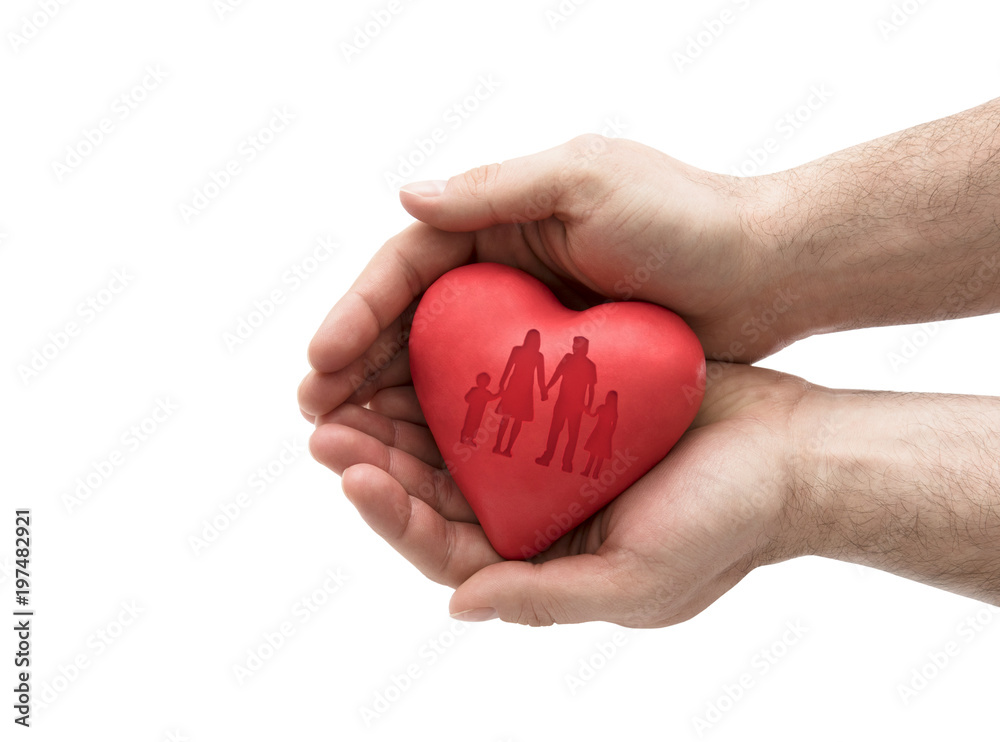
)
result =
(595, 219)
(716, 507)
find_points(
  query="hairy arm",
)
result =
(906, 483)
(902, 229)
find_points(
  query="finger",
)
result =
(445, 551)
(399, 403)
(566, 590)
(338, 448)
(555, 182)
(321, 393)
(412, 439)
(405, 266)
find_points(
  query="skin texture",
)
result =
(901, 229)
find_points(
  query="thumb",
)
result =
(524, 189)
(565, 590)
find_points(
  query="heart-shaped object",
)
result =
(624, 380)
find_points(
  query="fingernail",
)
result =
(476, 614)
(425, 188)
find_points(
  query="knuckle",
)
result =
(446, 562)
(480, 181)
(439, 484)
(537, 607)
(530, 613)
(394, 433)
(586, 159)
(584, 145)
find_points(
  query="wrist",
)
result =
(821, 422)
(852, 473)
(769, 495)
(786, 297)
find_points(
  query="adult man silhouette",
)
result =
(576, 394)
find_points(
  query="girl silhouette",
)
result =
(599, 442)
(516, 398)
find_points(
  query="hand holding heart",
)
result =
(658, 554)
(593, 219)
(608, 220)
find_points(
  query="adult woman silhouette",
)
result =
(517, 388)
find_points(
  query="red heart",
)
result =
(489, 319)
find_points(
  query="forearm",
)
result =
(907, 483)
(902, 229)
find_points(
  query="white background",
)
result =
(169, 673)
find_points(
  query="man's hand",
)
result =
(661, 552)
(772, 468)
(595, 219)
(902, 229)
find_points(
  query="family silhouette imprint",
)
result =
(576, 376)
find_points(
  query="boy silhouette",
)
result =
(477, 397)
(578, 376)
